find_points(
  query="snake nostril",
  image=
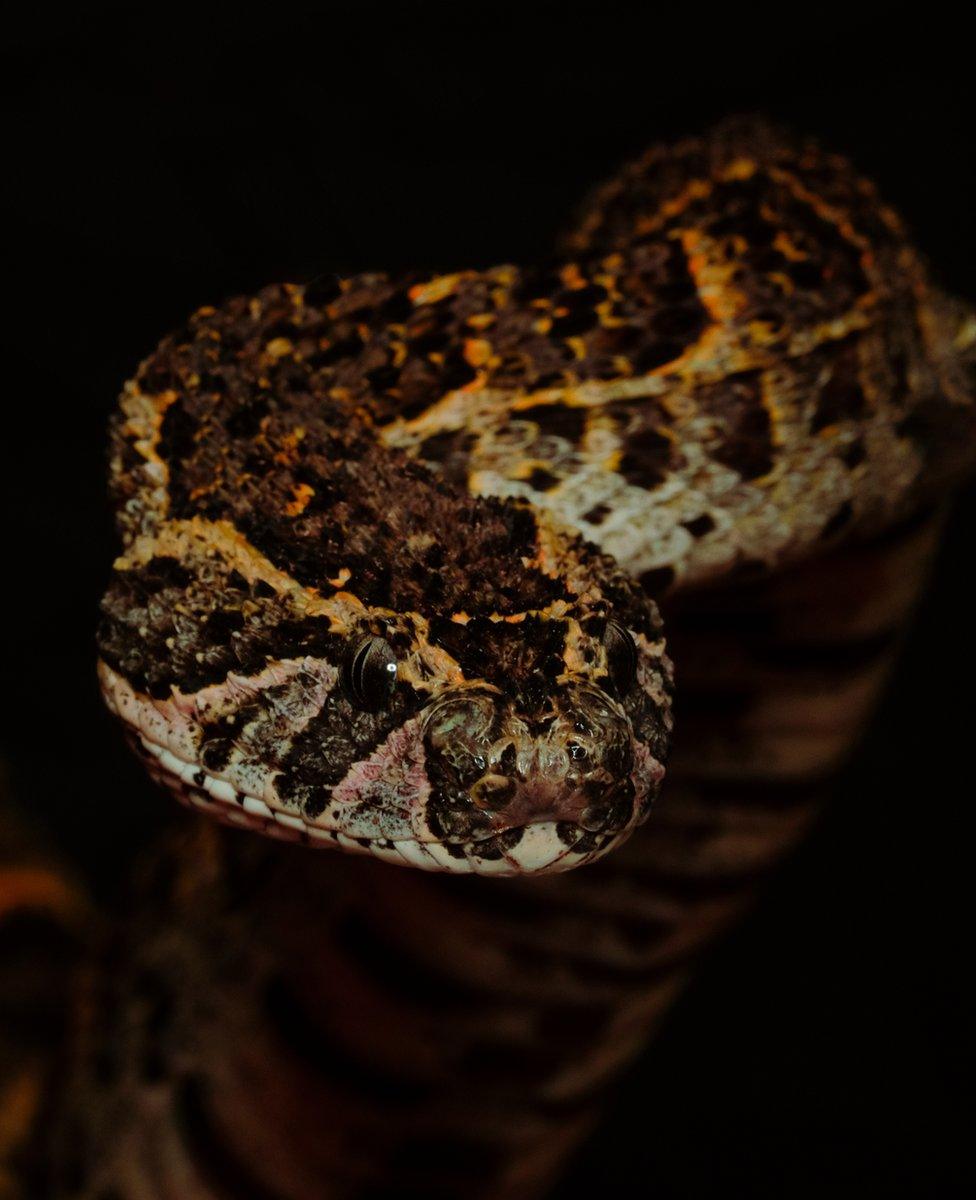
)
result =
(492, 791)
(503, 761)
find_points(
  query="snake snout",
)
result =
(495, 768)
(577, 772)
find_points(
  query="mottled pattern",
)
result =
(744, 366)
(269, 1024)
(272, 537)
(477, 479)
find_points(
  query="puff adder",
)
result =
(390, 545)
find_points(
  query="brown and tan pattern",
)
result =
(393, 551)
(266, 1028)
(354, 605)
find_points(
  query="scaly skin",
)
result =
(323, 487)
(266, 1024)
(745, 367)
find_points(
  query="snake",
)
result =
(392, 545)
(394, 554)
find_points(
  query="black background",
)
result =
(161, 160)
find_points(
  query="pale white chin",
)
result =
(539, 849)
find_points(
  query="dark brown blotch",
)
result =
(556, 420)
(598, 513)
(842, 397)
(744, 440)
(699, 526)
(657, 580)
(542, 480)
(838, 522)
(646, 458)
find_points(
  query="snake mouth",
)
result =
(387, 806)
(537, 847)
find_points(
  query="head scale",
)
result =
(311, 635)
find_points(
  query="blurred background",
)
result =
(162, 159)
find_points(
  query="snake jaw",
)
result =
(551, 819)
(539, 847)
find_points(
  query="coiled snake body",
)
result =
(391, 555)
(385, 539)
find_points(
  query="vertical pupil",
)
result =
(621, 656)
(372, 672)
(359, 669)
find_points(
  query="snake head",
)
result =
(510, 744)
(312, 635)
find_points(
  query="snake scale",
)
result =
(394, 551)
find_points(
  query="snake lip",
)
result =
(535, 847)
(532, 836)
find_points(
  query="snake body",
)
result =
(393, 552)
(389, 543)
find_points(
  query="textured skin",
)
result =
(265, 1028)
(271, 532)
(743, 364)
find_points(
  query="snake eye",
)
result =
(370, 673)
(621, 656)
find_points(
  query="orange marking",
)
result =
(697, 189)
(712, 279)
(482, 320)
(476, 384)
(784, 244)
(438, 288)
(278, 347)
(837, 217)
(738, 168)
(288, 453)
(477, 351)
(783, 282)
(571, 277)
(302, 493)
(36, 888)
(499, 297)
